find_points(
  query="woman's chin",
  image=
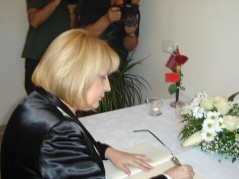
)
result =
(95, 106)
(92, 107)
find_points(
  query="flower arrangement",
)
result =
(212, 122)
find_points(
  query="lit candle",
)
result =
(155, 109)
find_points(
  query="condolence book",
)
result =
(161, 162)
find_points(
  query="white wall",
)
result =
(206, 31)
(13, 28)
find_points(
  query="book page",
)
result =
(161, 162)
(158, 157)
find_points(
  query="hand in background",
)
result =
(71, 8)
(135, 1)
(36, 17)
(74, 21)
(57, 1)
(132, 30)
(113, 14)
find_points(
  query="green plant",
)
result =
(125, 88)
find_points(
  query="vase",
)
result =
(173, 104)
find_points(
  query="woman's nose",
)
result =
(107, 85)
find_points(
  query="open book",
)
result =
(161, 162)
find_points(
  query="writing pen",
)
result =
(174, 159)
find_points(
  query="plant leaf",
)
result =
(231, 98)
(125, 88)
(172, 88)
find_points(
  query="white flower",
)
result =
(200, 96)
(231, 122)
(209, 125)
(219, 124)
(208, 103)
(208, 136)
(213, 115)
(237, 137)
(222, 105)
(198, 112)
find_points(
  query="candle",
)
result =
(154, 106)
(156, 109)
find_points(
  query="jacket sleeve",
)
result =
(66, 152)
(35, 4)
(102, 148)
(159, 177)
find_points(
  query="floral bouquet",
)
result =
(212, 122)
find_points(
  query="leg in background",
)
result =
(30, 66)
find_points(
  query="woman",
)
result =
(44, 138)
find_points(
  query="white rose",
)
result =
(208, 103)
(222, 105)
(231, 122)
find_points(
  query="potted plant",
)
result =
(125, 88)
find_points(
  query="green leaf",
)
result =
(172, 88)
(128, 67)
(125, 87)
(231, 98)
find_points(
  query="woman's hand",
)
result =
(181, 172)
(120, 159)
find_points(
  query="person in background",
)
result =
(104, 19)
(44, 138)
(47, 19)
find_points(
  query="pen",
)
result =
(174, 159)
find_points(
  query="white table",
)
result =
(116, 129)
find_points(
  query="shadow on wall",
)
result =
(9, 111)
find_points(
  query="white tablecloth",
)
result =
(116, 129)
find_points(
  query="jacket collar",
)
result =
(56, 101)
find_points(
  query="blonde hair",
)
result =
(71, 64)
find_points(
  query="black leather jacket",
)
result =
(41, 142)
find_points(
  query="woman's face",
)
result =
(97, 90)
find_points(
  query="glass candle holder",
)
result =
(154, 106)
(180, 105)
